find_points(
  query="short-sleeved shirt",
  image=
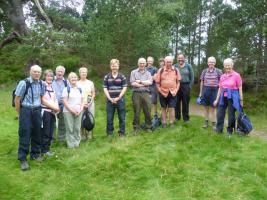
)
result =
(50, 96)
(87, 87)
(230, 81)
(58, 86)
(167, 80)
(36, 89)
(114, 85)
(211, 77)
(142, 76)
(74, 98)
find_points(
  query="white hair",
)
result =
(60, 67)
(228, 61)
(212, 58)
(141, 60)
(83, 68)
(168, 58)
(36, 68)
(150, 57)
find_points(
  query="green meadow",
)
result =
(185, 162)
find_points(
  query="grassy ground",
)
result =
(181, 163)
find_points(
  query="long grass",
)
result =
(185, 162)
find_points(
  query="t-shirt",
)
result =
(211, 77)
(74, 98)
(230, 81)
(87, 87)
(114, 85)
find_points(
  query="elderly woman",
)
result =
(229, 95)
(73, 106)
(88, 89)
(209, 84)
(48, 113)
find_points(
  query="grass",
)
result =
(181, 163)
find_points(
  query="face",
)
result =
(180, 59)
(60, 73)
(211, 63)
(36, 74)
(161, 64)
(114, 67)
(142, 64)
(73, 80)
(149, 62)
(83, 74)
(49, 78)
(168, 62)
(228, 67)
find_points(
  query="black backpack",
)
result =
(28, 85)
(88, 120)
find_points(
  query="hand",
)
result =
(138, 81)
(115, 100)
(199, 95)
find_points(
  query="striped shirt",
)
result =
(211, 77)
(114, 85)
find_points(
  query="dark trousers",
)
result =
(183, 97)
(47, 131)
(110, 109)
(141, 100)
(29, 133)
(221, 115)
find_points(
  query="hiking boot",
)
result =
(164, 125)
(24, 165)
(49, 154)
(38, 158)
(148, 130)
(171, 125)
(206, 124)
(136, 131)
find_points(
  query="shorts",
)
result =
(169, 101)
(209, 95)
(153, 94)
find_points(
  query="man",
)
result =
(153, 90)
(28, 106)
(58, 85)
(115, 86)
(140, 80)
(183, 95)
(168, 84)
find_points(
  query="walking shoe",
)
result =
(136, 131)
(148, 130)
(38, 158)
(49, 154)
(186, 121)
(171, 125)
(164, 125)
(206, 124)
(24, 165)
(229, 134)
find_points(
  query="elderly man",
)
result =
(153, 90)
(187, 81)
(140, 80)
(28, 99)
(168, 83)
(59, 83)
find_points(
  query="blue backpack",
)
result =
(244, 124)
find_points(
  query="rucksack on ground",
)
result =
(88, 120)
(244, 124)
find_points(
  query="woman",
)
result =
(229, 95)
(48, 113)
(88, 89)
(209, 84)
(73, 106)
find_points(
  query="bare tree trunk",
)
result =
(189, 43)
(199, 35)
(176, 39)
(43, 13)
(193, 45)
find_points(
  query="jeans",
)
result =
(221, 115)
(47, 131)
(183, 96)
(141, 100)
(29, 132)
(110, 109)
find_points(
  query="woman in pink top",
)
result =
(229, 95)
(48, 114)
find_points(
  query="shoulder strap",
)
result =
(65, 82)
(68, 90)
(28, 85)
(161, 72)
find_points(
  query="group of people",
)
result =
(41, 103)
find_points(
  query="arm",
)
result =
(215, 103)
(17, 104)
(52, 106)
(107, 94)
(66, 104)
(201, 88)
(241, 95)
(192, 76)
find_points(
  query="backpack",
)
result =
(244, 124)
(155, 123)
(28, 85)
(68, 90)
(88, 120)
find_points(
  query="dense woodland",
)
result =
(53, 32)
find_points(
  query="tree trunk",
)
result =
(43, 13)
(199, 35)
(176, 39)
